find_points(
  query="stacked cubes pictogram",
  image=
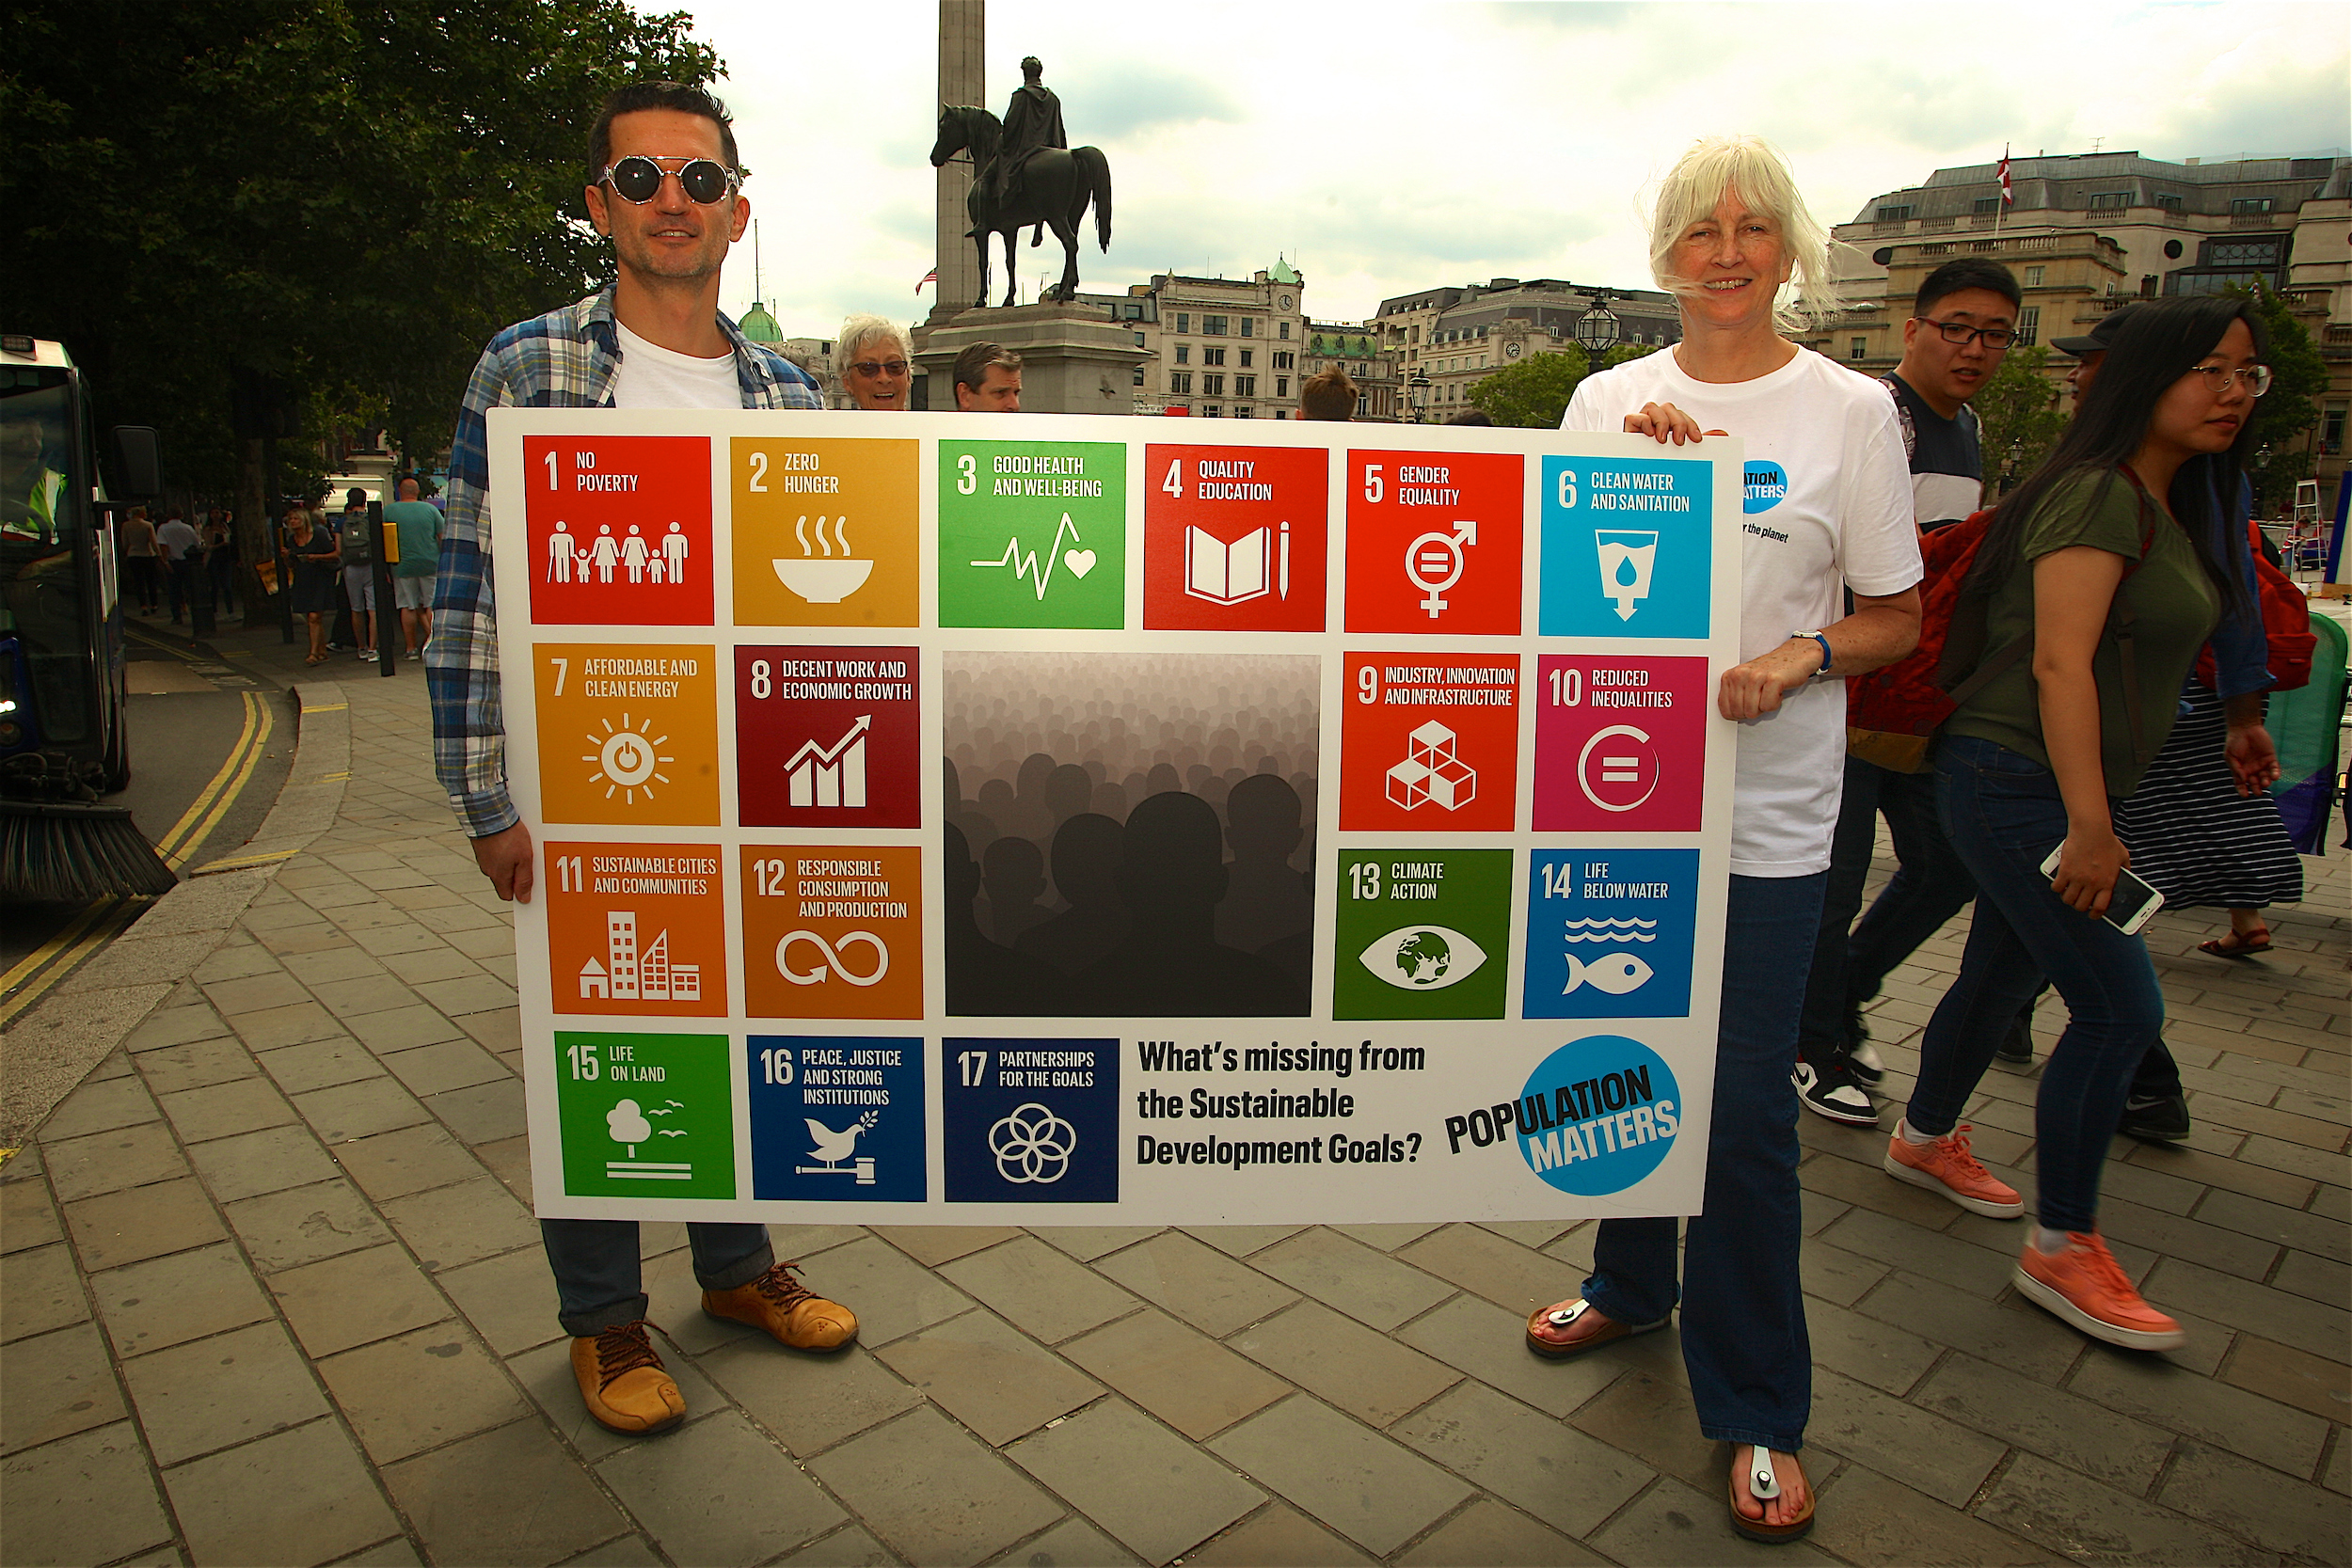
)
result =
(1431, 771)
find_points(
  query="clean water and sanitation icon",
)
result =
(1627, 559)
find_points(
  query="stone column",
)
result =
(962, 79)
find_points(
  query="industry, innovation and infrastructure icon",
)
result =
(625, 974)
(1431, 771)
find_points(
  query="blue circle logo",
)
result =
(1598, 1115)
(1764, 486)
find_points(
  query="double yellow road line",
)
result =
(99, 924)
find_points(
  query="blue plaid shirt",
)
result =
(568, 358)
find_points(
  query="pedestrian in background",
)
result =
(1329, 394)
(359, 562)
(176, 546)
(877, 361)
(418, 528)
(987, 379)
(220, 560)
(313, 550)
(139, 568)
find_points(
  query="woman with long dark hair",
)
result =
(2103, 568)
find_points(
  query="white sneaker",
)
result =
(367, 655)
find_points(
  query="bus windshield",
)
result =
(44, 515)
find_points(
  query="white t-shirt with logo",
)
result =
(652, 377)
(1828, 507)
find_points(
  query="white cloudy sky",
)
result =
(1389, 147)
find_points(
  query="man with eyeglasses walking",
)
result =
(1963, 319)
(663, 186)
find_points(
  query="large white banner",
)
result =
(983, 819)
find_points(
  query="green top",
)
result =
(2176, 608)
(420, 527)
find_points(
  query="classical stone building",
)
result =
(1215, 347)
(1458, 337)
(1357, 348)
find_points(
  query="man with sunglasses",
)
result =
(876, 363)
(663, 186)
(1962, 321)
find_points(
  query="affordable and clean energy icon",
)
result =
(818, 575)
(1431, 771)
(832, 775)
(1423, 958)
(1253, 566)
(628, 759)
(630, 1125)
(832, 1148)
(625, 974)
(1434, 562)
(1627, 558)
(1617, 974)
(1032, 1144)
(1025, 563)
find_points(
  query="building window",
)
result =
(2034, 276)
(2239, 253)
(1213, 327)
(2251, 204)
(1210, 411)
(1284, 359)
(1245, 385)
(1893, 214)
(1245, 358)
(1212, 385)
(2029, 326)
(1248, 329)
(1243, 412)
(1180, 384)
(2168, 201)
(2103, 202)
(1281, 413)
(1139, 375)
(1282, 386)
(1211, 355)
(1986, 206)
(1184, 321)
(1139, 339)
(1861, 349)
(1132, 312)
(1183, 354)
(1285, 330)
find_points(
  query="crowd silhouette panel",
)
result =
(1130, 836)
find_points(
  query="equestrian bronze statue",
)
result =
(1046, 185)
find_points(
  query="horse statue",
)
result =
(1057, 187)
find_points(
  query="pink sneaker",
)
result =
(2084, 1284)
(1946, 1167)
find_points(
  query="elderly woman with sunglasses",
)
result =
(876, 363)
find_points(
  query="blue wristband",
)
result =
(1826, 655)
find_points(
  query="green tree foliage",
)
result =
(349, 196)
(1626, 354)
(2018, 413)
(1534, 394)
(2285, 417)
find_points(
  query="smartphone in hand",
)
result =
(2132, 903)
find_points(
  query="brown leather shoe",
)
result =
(1573, 1327)
(622, 1382)
(780, 1305)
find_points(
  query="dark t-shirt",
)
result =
(1947, 464)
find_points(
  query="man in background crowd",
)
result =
(987, 379)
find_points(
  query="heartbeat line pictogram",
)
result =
(1025, 565)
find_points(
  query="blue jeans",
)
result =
(1929, 886)
(1743, 1338)
(599, 1281)
(2005, 816)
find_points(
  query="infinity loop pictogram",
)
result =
(832, 963)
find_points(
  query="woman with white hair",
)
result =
(1828, 494)
(877, 358)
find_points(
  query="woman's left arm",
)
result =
(1880, 631)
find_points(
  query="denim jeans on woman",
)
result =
(1743, 1338)
(2004, 814)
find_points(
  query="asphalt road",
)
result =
(188, 717)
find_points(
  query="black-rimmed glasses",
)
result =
(638, 178)
(1996, 338)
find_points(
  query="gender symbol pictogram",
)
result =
(1434, 563)
(1032, 1144)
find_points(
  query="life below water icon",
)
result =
(630, 1125)
(832, 1148)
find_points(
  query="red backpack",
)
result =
(2286, 624)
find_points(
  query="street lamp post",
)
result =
(1596, 330)
(1417, 392)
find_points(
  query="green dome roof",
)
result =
(759, 327)
(1283, 272)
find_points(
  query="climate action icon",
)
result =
(1423, 958)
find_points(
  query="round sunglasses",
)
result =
(637, 179)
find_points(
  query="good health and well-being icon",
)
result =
(1626, 548)
(1032, 534)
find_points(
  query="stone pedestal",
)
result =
(1074, 359)
(962, 79)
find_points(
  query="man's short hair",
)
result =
(858, 329)
(972, 364)
(409, 481)
(354, 497)
(656, 95)
(1032, 66)
(1328, 395)
(1969, 272)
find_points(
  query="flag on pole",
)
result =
(2007, 196)
(931, 277)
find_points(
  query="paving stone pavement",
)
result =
(272, 1293)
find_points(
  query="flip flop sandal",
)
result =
(2236, 947)
(1763, 1484)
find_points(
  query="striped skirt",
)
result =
(2192, 835)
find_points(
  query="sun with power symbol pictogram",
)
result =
(628, 759)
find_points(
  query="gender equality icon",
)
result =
(618, 529)
(1433, 542)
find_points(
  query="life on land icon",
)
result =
(817, 574)
(630, 1125)
(831, 1148)
(1627, 559)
